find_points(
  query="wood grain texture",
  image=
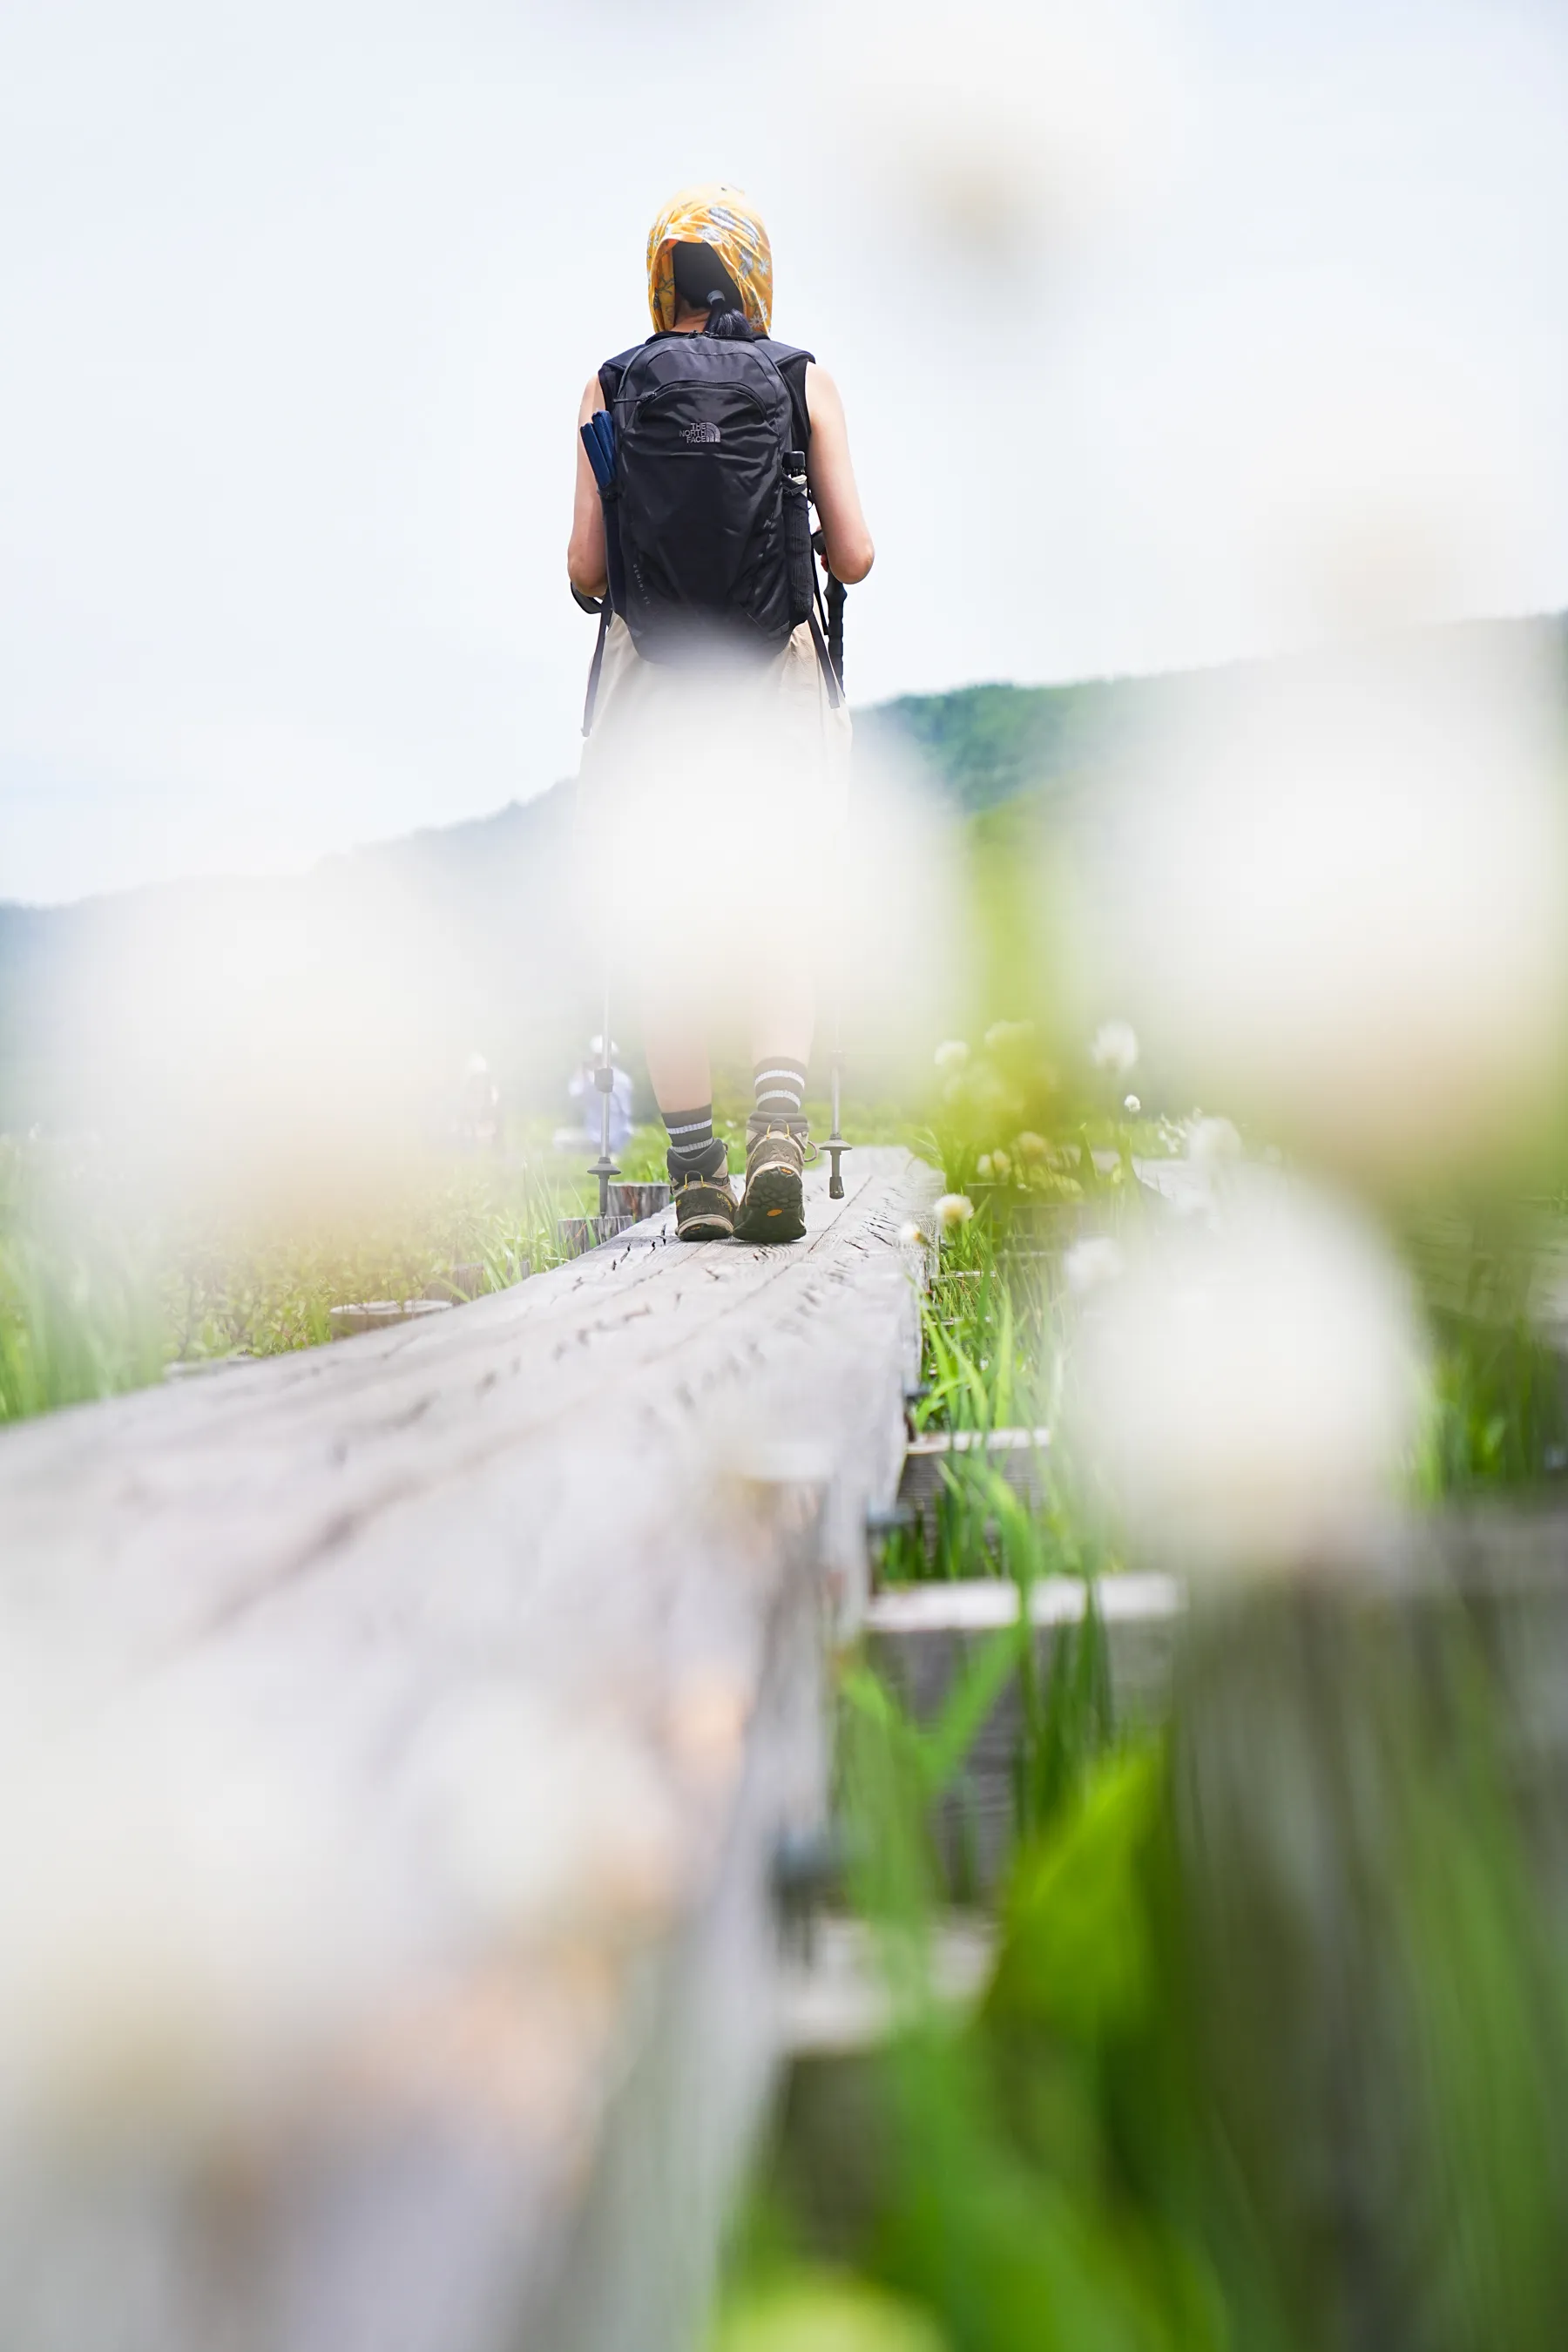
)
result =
(507, 1627)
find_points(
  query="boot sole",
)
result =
(773, 1208)
(705, 1228)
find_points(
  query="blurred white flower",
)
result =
(1114, 1047)
(1030, 1148)
(1213, 1143)
(1001, 1166)
(1247, 1398)
(1337, 899)
(165, 1980)
(1091, 1263)
(1006, 131)
(683, 912)
(1383, 487)
(952, 1056)
(545, 1825)
(1131, 1105)
(953, 1210)
(910, 1235)
(982, 1167)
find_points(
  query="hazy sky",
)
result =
(1166, 332)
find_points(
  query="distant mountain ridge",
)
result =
(982, 745)
(483, 907)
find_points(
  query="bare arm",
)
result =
(850, 553)
(585, 555)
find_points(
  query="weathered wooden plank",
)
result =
(150, 1520)
(513, 1619)
(924, 1636)
(1016, 1454)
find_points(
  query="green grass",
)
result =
(80, 1307)
(98, 1296)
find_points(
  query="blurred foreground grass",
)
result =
(1272, 2053)
(1274, 2046)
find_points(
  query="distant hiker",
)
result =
(477, 1124)
(581, 1089)
(713, 778)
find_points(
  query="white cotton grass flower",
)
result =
(1010, 134)
(1337, 899)
(1092, 1263)
(952, 1057)
(682, 911)
(1132, 1106)
(1245, 1397)
(954, 1209)
(911, 1236)
(165, 1981)
(541, 1824)
(1383, 489)
(1114, 1047)
(1213, 1144)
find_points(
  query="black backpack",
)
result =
(706, 519)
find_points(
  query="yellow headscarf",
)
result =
(723, 217)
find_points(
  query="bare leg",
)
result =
(675, 1040)
(676, 1046)
(677, 1067)
(783, 1024)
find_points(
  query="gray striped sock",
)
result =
(694, 1148)
(781, 1089)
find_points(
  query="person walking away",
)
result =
(714, 774)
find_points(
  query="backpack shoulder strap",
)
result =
(791, 365)
(612, 371)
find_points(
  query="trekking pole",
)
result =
(604, 1168)
(836, 593)
(836, 1146)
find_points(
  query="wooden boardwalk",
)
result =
(407, 1728)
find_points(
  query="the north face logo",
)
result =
(701, 435)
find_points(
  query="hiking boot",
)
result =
(773, 1206)
(704, 1208)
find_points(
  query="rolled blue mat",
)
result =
(604, 426)
(603, 466)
